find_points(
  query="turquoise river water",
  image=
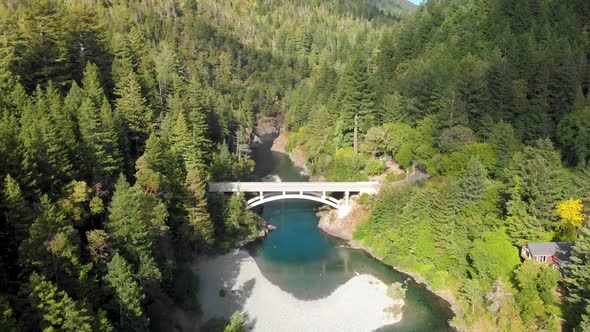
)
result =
(309, 264)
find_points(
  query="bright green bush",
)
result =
(374, 166)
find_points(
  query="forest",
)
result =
(115, 114)
(491, 99)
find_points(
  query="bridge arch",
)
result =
(256, 201)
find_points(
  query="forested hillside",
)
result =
(491, 98)
(115, 114)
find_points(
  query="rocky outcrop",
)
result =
(342, 227)
(264, 229)
(270, 125)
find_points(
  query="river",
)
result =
(309, 264)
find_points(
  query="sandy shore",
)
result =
(358, 305)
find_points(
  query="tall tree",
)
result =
(472, 184)
(200, 223)
(357, 99)
(58, 310)
(136, 222)
(133, 109)
(578, 281)
(128, 293)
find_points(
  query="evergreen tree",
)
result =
(16, 209)
(52, 247)
(136, 222)
(133, 109)
(99, 141)
(536, 184)
(128, 293)
(201, 226)
(7, 321)
(506, 144)
(58, 310)
(44, 44)
(472, 184)
(573, 132)
(10, 145)
(578, 281)
(357, 99)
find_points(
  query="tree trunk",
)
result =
(356, 134)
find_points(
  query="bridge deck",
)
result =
(368, 187)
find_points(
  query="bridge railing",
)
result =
(368, 187)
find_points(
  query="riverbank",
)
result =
(297, 155)
(234, 282)
(343, 228)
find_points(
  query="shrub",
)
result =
(365, 199)
(394, 177)
(374, 166)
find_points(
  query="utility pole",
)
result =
(356, 133)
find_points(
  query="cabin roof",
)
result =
(560, 250)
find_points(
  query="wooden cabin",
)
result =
(552, 253)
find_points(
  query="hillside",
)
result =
(491, 98)
(115, 114)
(113, 117)
(394, 6)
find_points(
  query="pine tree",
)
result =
(357, 99)
(91, 83)
(506, 144)
(17, 211)
(99, 140)
(10, 145)
(573, 132)
(136, 222)
(44, 45)
(472, 184)
(52, 248)
(541, 187)
(128, 293)
(89, 39)
(578, 279)
(499, 83)
(7, 321)
(58, 310)
(133, 108)
(202, 229)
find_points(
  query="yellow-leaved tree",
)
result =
(572, 217)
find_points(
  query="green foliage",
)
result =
(453, 139)
(472, 184)
(573, 132)
(374, 166)
(236, 323)
(536, 297)
(7, 321)
(127, 291)
(494, 256)
(89, 90)
(578, 281)
(345, 166)
(136, 222)
(201, 227)
(57, 309)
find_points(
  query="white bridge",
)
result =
(312, 191)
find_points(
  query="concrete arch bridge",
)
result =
(312, 191)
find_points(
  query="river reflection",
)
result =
(303, 261)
